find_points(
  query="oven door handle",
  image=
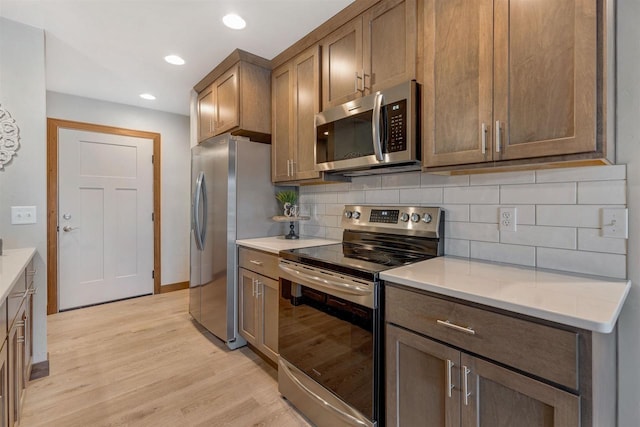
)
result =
(348, 417)
(327, 282)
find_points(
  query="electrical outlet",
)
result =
(23, 214)
(615, 223)
(507, 219)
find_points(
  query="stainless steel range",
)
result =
(330, 311)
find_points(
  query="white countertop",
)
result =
(279, 243)
(12, 265)
(586, 302)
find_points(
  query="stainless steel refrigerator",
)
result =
(232, 198)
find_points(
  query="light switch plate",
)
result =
(615, 223)
(23, 214)
(507, 219)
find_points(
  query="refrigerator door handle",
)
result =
(200, 195)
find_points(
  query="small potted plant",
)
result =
(288, 199)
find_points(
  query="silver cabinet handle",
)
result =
(253, 287)
(364, 82)
(484, 138)
(375, 126)
(467, 393)
(459, 328)
(32, 272)
(498, 138)
(259, 284)
(67, 229)
(450, 385)
(355, 82)
(253, 261)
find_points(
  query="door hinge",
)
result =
(153, 218)
(152, 158)
(153, 274)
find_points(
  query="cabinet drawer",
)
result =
(259, 262)
(541, 350)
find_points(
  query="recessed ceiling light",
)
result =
(174, 59)
(234, 21)
(147, 96)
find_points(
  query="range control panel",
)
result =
(409, 220)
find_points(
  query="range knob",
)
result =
(415, 217)
(356, 215)
(426, 218)
(348, 214)
(404, 217)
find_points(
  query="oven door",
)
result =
(327, 336)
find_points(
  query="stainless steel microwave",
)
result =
(370, 134)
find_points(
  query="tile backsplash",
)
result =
(558, 213)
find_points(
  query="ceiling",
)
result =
(113, 50)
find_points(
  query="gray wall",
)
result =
(175, 168)
(23, 181)
(628, 142)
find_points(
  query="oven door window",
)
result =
(345, 139)
(331, 340)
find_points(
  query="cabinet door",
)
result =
(342, 65)
(4, 378)
(389, 44)
(282, 123)
(306, 103)
(15, 348)
(495, 396)
(28, 339)
(422, 378)
(545, 77)
(227, 101)
(457, 90)
(205, 114)
(268, 319)
(248, 306)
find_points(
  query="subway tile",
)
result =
(557, 193)
(306, 198)
(312, 188)
(432, 180)
(338, 186)
(456, 247)
(366, 182)
(459, 213)
(333, 233)
(334, 209)
(312, 230)
(590, 239)
(599, 264)
(525, 214)
(550, 237)
(496, 252)
(472, 195)
(524, 177)
(602, 192)
(421, 196)
(401, 180)
(351, 198)
(585, 216)
(329, 220)
(472, 231)
(326, 198)
(382, 196)
(590, 173)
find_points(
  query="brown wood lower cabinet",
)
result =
(4, 378)
(432, 384)
(259, 312)
(16, 358)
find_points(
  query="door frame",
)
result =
(53, 126)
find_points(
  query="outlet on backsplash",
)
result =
(507, 220)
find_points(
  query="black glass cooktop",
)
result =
(356, 260)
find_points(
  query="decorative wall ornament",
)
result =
(9, 137)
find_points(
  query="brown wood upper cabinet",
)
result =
(237, 99)
(509, 79)
(374, 51)
(296, 100)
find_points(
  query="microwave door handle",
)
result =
(375, 126)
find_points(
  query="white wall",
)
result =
(175, 168)
(23, 181)
(628, 139)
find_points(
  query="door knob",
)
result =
(67, 228)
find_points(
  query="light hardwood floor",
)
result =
(143, 362)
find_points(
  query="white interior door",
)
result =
(105, 236)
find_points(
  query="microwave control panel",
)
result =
(397, 135)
